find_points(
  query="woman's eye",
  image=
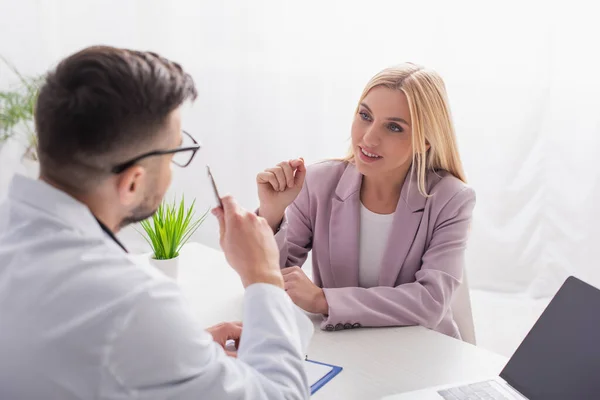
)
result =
(395, 128)
(365, 116)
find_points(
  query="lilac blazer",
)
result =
(422, 265)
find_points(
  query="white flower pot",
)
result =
(168, 267)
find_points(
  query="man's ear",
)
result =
(129, 184)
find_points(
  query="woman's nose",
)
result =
(371, 137)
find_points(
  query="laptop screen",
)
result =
(560, 356)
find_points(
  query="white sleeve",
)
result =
(161, 352)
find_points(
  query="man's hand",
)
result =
(225, 331)
(249, 244)
(303, 292)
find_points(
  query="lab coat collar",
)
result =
(56, 203)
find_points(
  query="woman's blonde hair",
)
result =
(431, 120)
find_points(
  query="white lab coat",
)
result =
(80, 320)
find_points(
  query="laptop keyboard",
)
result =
(476, 391)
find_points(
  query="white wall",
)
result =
(280, 79)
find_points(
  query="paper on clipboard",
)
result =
(316, 372)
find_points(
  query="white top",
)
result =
(81, 320)
(374, 233)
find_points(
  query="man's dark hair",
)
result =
(102, 105)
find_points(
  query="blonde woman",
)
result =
(388, 224)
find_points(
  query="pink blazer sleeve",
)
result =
(425, 301)
(295, 234)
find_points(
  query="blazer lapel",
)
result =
(344, 229)
(407, 219)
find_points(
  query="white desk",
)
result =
(376, 362)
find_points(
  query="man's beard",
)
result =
(144, 211)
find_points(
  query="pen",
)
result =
(212, 181)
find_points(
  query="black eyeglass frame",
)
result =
(117, 169)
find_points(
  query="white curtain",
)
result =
(280, 79)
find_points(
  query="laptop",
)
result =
(558, 359)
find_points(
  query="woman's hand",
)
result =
(278, 187)
(303, 292)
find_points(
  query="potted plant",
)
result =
(167, 231)
(18, 141)
(17, 105)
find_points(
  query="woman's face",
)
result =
(381, 133)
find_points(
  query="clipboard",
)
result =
(326, 378)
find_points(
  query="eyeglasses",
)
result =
(182, 156)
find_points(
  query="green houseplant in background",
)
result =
(17, 110)
(168, 230)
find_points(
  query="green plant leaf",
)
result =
(17, 108)
(171, 227)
